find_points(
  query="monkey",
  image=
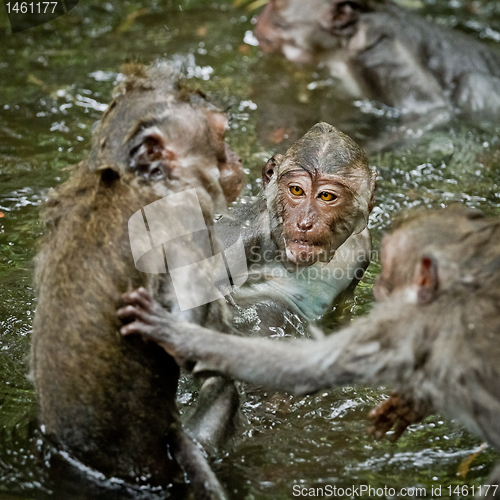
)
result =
(306, 238)
(382, 51)
(109, 404)
(432, 335)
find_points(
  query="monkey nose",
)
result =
(304, 225)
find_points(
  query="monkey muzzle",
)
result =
(303, 252)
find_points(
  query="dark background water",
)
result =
(55, 81)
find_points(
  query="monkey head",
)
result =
(432, 252)
(318, 194)
(291, 27)
(304, 31)
(169, 137)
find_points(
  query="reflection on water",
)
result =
(55, 81)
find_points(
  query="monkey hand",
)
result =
(146, 317)
(396, 411)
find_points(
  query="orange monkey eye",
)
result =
(296, 190)
(327, 196)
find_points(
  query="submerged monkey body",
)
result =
(111, 405)
(444, 69)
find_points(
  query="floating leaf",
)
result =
(129, 20)
(255, 5)
(411, 4)
(33, 79)
(464, 466)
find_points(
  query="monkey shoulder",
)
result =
(248, 221)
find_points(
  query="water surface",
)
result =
(55, 81)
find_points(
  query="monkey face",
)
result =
(315, 213)
(293, 28)
(305, 31)
(318, 194)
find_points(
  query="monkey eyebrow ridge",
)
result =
(142, 124)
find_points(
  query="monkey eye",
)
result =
(327, 196)
(296, 191)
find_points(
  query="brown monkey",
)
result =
(111, 404)
(433, 336)
(382, 51)
(305, 237)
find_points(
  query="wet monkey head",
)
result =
(318, 194)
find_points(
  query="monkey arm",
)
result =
(278, 365)
(354, 355)
(478, 94)
(287, 366)
(353, 258)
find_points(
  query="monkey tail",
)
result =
(193, 463)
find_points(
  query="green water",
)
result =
(55, 81)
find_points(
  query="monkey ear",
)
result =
(269, 168)
(344, 15)
(218, 125)
(151, 157)
(150, 148)
(427, 279)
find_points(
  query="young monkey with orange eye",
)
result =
(306, 237)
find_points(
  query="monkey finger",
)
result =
(140, 297)
(127, 312)
(136, 328)
(133, 312)
(144, 295)
(126, 297)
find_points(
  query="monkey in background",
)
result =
(110, 404)
(384, 52)
(432, 336)
(306, 238)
